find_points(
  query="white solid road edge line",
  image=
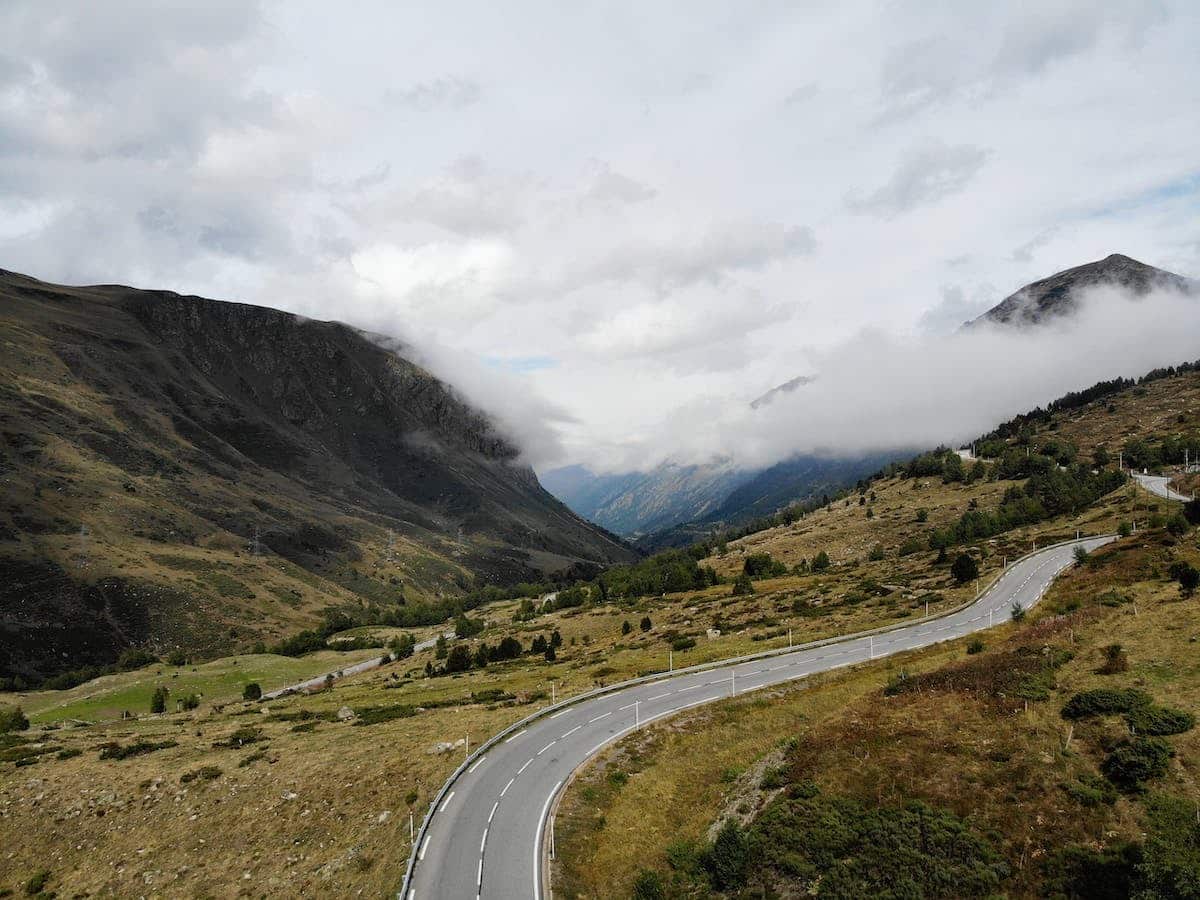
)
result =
(848, 638)
(517, 735)
(478, 763)
(424, 847)
(537, 845)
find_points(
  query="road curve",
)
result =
(1160, 486)
(484, 837)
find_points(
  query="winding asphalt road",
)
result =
(484, 837)
(366, 665)
(1160, 485)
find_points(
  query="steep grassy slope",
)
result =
(184, 472)
(977, 736)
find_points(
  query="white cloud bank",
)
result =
(879, 391)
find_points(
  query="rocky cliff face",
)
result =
(216, 454)
(1058, 295)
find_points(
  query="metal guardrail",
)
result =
(701, 667)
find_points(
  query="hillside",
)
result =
(1058, 295)
(187, 472)
(320, 812)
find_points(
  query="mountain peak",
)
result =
(1056, 296)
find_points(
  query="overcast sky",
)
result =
(608, 222)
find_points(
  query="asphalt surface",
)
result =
(1158, 484)
(485, 838)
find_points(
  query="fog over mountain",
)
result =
(612, 230)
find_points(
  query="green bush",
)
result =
(177, 658)
(648, 886)
(820, 562)
(976, 646)
(727, 860)
(762, 565)
(12, 718)
(1132, 763)
(1081, 873)
(37, 882)
(158, 700)
(742, 586)
(374, 715)
(910, 546)
(1091, 790)
(252, 691)
(1104, 701)
(114, 750)
(839, 848)
(683, 643)
(189, 701)
(876, 553)
(133, 658)
(204, 773)
(1159, 720)
(964, 568)
(1170, 865)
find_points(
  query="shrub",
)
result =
(1159, 720)
(1124, 529)
(727, 859)
(1018, 612)
(204, 773)
(1081, 873)
(374, 715)
(1091, 790)
(158, 701)
(922, 515)
(1170, 865)
(133, 658)
(138, 748)
(626, 627)
(820, 562)
(252, 691)
(645, 623)
(1104, 701)
(683, 643)
(1081, 555)
(189, 701)
(1132, 763)
(876, 553)
(1115, 660)
(762, 565)
(68, 753)
(1178, 525)
(976, 646)
(177, 658)
(964, 568)
(37, 882)
(12, 718)
(742, 586)
(648, 886)
(246, 734)
(910, 546)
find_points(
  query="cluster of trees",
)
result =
(1048, 493)
(1153, 452)
(461, 658)
(763, 565)
(666, 572)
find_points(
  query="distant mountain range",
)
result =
(183, 472)
(672, 505)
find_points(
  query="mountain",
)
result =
(1056, 295)
(183, 472)
(786, 388)
(769, 490)
(641, 503)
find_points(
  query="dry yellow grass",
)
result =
(999, 765)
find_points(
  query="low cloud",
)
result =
(878, 391)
